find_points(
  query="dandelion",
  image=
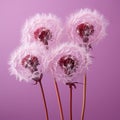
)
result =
(86, 27)
(26, 63)
(45, 28)
(68, 61)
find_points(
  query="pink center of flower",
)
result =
(84, 30)
(30, 62)
(69, 64)
(43, 35)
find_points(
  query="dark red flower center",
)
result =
(43, 34)
(84, 30)
(30, 62)
(68, 64)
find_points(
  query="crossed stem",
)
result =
(43, 95)
(59, 100)
(70, 97)
(84, 97)
(70, 86)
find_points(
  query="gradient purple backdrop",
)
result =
(22, 101)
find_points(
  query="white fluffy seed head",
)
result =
(15, 62)
(79, 53)
(48, 21)
(93, 18)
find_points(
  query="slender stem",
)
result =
(59, 100)
(84, 97)
(70, 86)
(44, 100)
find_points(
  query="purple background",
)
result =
(22, 101)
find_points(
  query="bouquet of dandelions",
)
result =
(43, 48)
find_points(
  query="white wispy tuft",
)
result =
(15, 64)
(86, 16)
(48, 21)
(72, 49)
